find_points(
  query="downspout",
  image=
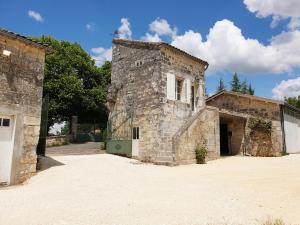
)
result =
(282, 128)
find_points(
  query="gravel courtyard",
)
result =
(107, 189)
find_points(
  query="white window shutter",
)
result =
(171, 86)
(188, 91)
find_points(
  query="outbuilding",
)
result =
(255, 125)
(22, 64)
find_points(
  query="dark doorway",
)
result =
(224, 148)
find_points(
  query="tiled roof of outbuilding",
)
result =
(245, 96)
(24, 39)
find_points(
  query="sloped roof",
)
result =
(24, 39)
(157, 45)
(245, 96)
(283, 103)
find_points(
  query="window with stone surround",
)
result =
(178, 88)
(4, 122)
(135, 133)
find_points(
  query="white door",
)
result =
(7, 125)
(135, 141)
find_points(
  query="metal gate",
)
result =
(41, 147)
(119, 137)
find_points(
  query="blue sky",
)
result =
(247, 28)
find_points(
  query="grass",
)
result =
(273, 222)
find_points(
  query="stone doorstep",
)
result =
(165, 163)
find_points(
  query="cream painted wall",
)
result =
(6, 149)
(292, 133)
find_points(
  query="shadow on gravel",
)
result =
(46, 162)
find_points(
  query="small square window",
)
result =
(5, 122)
(135, 133)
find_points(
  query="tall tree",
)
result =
(244, 87)
(251, 90)
(235, 83)
(221, 86)
(74, 84)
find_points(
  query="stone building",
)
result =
(21, 78)
(240, 112)
(157, 104)
(159, 113)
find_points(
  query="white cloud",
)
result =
(226, 48)
(278, 9)
(287, 88)
(157, 28)
(162, 27)
(124, 31)
(100, 55)
(90, 26)
(35, 15)
(151, 38)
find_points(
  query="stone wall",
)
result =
(21, 78)
(57, 140)
(139, 88)
(242, 107)
(202, 128)
(136, 95)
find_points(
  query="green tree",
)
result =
(235, 83)
(221, 86)
(244, 87)
(294, 101)
(75, 85)
(251, 90)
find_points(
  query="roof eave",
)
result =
(25, 40)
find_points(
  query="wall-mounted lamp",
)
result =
(6, 52)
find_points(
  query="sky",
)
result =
(257, 39)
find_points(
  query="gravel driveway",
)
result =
(107, 189)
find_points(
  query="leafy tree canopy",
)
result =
(294, 101)
(75, 85)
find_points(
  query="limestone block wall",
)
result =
(202, 128)
(177, 113)
(136, 91)
(21, 78)
(139, 88)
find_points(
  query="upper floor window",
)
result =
(178, 88)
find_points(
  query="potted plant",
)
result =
(201, 152)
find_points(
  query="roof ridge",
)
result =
(158, 44)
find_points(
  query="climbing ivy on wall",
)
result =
(260, 124)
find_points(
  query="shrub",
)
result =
(201, 152)
(273, 222)
(260, 124)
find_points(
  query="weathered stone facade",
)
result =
(236, 109)
(21, 78)
(139, 93)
